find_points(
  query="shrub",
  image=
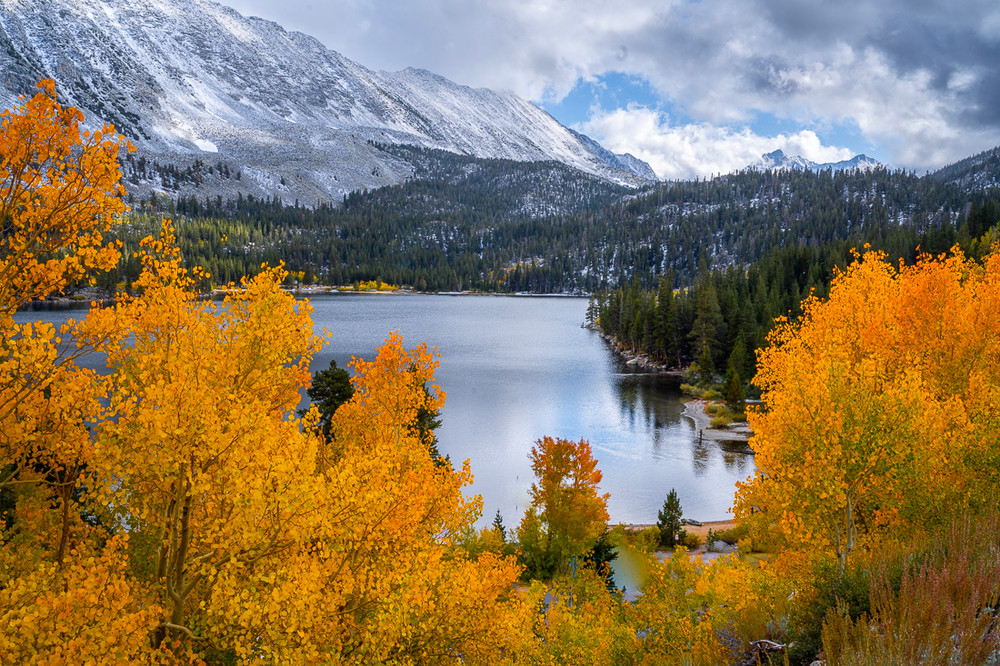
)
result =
(689, 540)
(942, 612)
(720, 421)
(832, 587)
(691, 390)
(733, 534)
(647, 540)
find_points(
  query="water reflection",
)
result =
(700, 455)
(654, 402)
(654, 396)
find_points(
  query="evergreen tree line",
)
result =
(724, 315)
(504, 226)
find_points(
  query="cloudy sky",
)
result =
(697, 87)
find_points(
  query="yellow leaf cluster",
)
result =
(59, 192)
(880, 405)
(87, 611)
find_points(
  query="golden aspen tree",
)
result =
(266, 540)
(674, 617)
(201, 455)
(65, 595)
(878, 406)
(581, 624)
(565, 499)
(59, 193)
(392, 582)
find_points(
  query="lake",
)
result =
(517, 368)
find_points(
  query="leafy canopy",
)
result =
(879, 405)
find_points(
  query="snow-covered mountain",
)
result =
(624, 161)
(778, 160)
(193, 79)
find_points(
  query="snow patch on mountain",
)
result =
(206, 146)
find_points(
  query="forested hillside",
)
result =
(723, 315)
(981, 171)
(498, 225)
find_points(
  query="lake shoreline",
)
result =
(737, 432)
(635, 359)
(694, 409)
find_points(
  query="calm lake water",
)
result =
(517, 368)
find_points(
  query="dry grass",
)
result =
(944, 614)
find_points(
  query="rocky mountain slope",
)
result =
(194, 80)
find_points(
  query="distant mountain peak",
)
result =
(779, 160)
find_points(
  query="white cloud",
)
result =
(919, 81)
(686, 151)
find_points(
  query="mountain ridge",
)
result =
(980, 171)
(779, 160)
(193, 79)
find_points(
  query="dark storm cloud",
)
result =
(945, 41)
(819, 21)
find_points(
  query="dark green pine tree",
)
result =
(600, 557)
(330, 389)
(739, 358)
(665, 321)
(706, 366)
(732, 391)
(427, 421)
(499, 526)
(708, 322)
(669, 520)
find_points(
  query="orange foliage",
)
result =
(88, 611)
(250, 537)
(880, 406)
(59, 192)
(566, 497)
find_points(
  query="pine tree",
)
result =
(499, 526)
(669, 520)
(330, 389)
(733, 393)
